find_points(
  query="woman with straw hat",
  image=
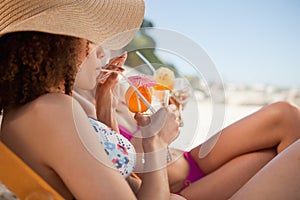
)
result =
(46, 46)
(43, 46)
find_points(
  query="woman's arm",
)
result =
(155, 177)
(104, 102)
(69, 146)
(104, 97)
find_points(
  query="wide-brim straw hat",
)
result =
(109, 23)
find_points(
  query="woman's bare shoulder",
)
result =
(51, 100)
(50, 115)
(37, 115)
(53, 106)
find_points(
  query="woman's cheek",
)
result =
(86, 76)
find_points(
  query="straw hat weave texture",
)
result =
(109, 23)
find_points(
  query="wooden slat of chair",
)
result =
(19, 178)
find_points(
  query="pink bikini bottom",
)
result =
(195, 173)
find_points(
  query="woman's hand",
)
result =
(114, 64)
(160, 129)
(106, 84)
(104, 95)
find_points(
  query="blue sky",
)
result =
(250, 41)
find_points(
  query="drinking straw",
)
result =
(146, 61)
(105, 76)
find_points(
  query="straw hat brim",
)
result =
(109, 23)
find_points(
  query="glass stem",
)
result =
(169, 155)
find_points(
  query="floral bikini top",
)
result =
(119, 150)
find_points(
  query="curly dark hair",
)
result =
(33, 62)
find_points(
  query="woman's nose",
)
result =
(100, 53)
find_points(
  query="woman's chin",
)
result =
(88, 85)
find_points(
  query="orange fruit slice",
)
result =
(164, 76)
(134, 102)
(159, 86)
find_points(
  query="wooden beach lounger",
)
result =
(19, 178)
